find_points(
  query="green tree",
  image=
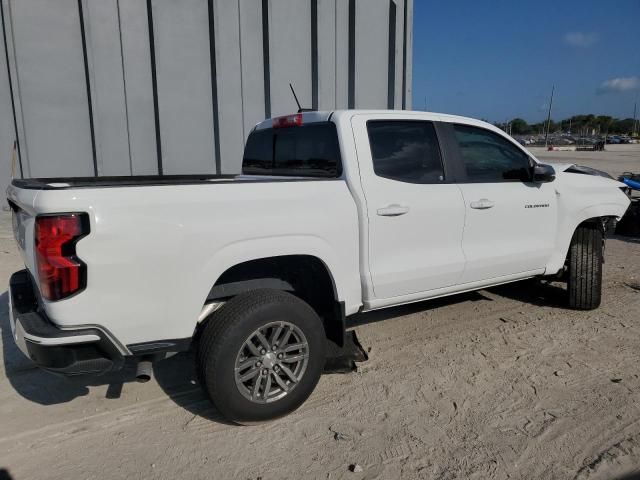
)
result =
(622, 126)
(603, 123)
(579, 125)
(520, 126)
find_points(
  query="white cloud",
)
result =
(620, 84)
(580, 39)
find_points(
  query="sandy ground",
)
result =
(502, 383)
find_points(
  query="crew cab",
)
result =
(334, 213)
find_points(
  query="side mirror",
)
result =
(543, 173)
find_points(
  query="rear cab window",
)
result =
(310, 150)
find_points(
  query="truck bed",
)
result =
(157, 245)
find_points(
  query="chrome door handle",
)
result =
(482, 204)
(394, 210)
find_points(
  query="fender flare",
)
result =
(232, 289)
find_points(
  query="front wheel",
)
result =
(584, 281)
(261, 355)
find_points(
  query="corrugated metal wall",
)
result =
(124, 87)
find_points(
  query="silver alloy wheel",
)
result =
(271, 362)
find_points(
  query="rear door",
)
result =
(415, 212)
(510, 221)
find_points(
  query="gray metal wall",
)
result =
(124, 87)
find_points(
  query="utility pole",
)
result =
(546, 135)
(635, 105)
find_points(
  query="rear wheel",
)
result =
(584, 281)
(261, 355)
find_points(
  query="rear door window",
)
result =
(406, 151)
(308, 150)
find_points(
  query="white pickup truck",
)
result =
(335, 213)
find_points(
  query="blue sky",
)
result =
(498, 59)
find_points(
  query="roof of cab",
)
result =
(326, 115)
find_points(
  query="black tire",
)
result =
(584, 281)
(223, 337)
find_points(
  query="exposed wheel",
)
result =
(261, 355)
(584, 281)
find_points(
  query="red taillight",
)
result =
(60, 272)
(288, 121)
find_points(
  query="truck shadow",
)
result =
(375, 316)
(5, 475)
(627, 238)
(176, 377)
(30, 382)
(534, 292)
(629, 476)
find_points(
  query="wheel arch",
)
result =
(307, 276)
(590, 216)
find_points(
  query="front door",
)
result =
(510, 221)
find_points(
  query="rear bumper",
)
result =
(86, 350)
